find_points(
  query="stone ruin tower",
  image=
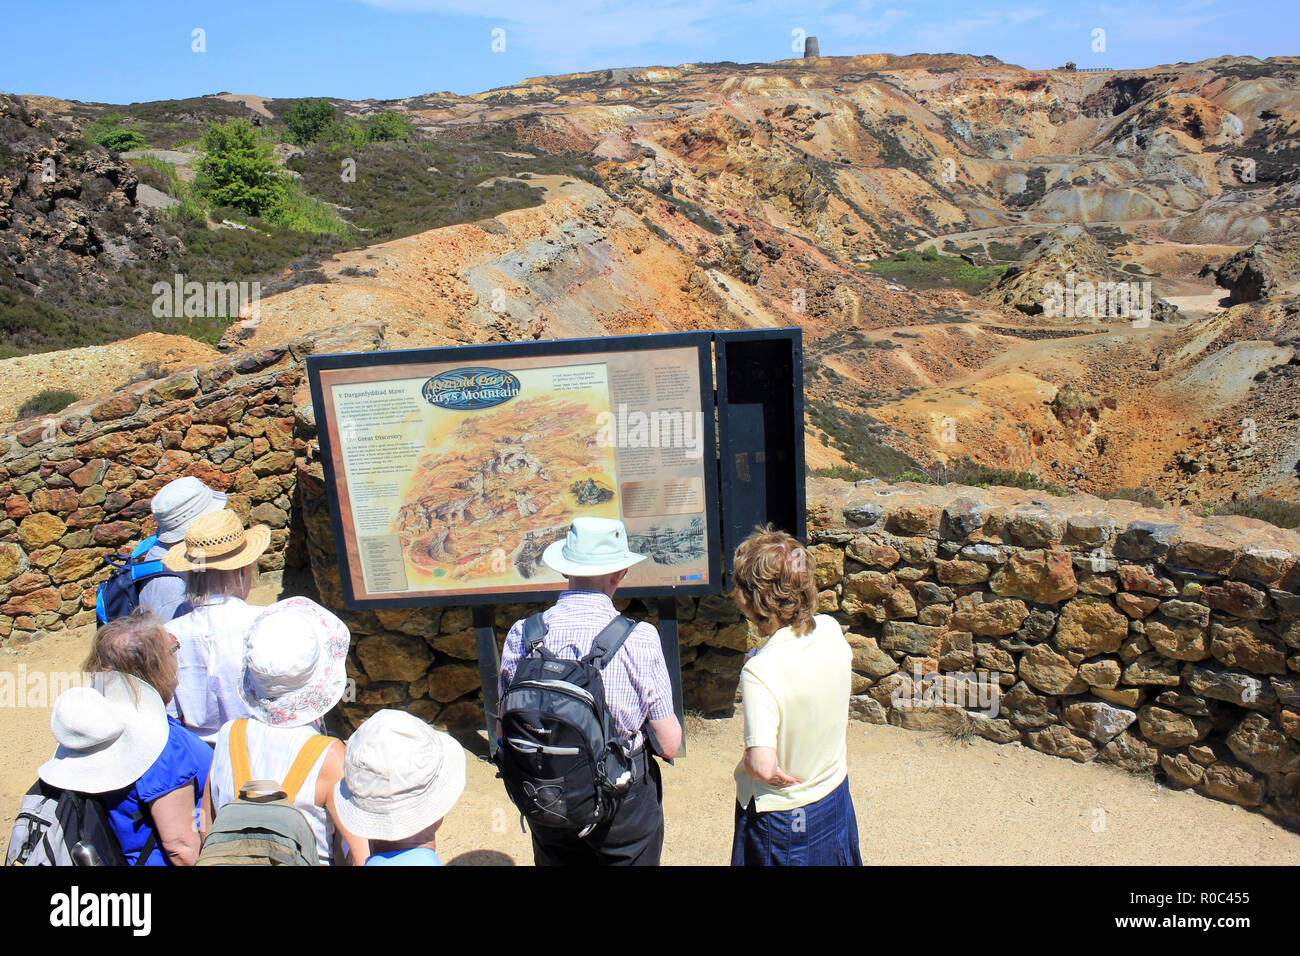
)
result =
(810, 50)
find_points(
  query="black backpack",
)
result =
(563, 761)
(65, 828)
(120, 594)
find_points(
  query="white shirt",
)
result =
(211, 664)
(795, 693)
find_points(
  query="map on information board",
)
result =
(453, 469)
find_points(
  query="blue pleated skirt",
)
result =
(824, 833)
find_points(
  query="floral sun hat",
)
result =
(294, 663)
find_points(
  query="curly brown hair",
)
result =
(775, 585)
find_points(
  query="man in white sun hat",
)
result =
(175, 507)
(400, 778)
(595, 558)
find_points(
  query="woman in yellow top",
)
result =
(793, 806)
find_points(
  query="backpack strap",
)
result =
(142, 815)
(147, 849)
(143, 547)
(303, 763)
(609, 640)
(239, 763)
(144, 570)
(534, 632)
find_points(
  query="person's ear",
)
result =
(617, 577)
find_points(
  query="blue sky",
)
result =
(131, 51)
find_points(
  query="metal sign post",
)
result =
(673, 658)
(489, 666)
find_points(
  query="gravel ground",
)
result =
(920, 799)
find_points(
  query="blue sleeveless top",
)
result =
(184, 761)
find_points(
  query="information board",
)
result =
(452, 469)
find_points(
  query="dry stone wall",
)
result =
(1151, 640)
(76, 486)
(1087, 629)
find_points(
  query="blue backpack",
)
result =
(120, 594)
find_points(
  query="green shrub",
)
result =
(110, 132)
(930, 270)
(342, 132)
(159, 174)
(1143, 496)
(1284, 514)
(389, 125)
(850, 433)
(968, 472)
(121, 140)
(239, 169)
(48, 402)
(307, 119)
(301, 213)
(845, 472)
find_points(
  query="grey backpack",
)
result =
(65, 828)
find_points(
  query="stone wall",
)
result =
(76, 486)
(1146, 639)
(1152, 640)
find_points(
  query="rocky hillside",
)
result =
(726, 195)
(69, 223)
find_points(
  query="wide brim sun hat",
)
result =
(400, 776)
(179, 503)
(592, 547)
(109, 732)
(295, 663)
(218, 542)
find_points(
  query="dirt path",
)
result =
(920, 799)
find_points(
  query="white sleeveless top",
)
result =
(271, 752)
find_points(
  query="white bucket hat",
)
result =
(178, 503)
(109, 731)
(399, 776)
(593, 546)
(294, 663)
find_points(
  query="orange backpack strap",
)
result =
(239, 764)
(303, 763)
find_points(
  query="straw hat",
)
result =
(109, 731)
(593, 546)
(399, 776)
(178, 503)
(294, 663)
(218, 542)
